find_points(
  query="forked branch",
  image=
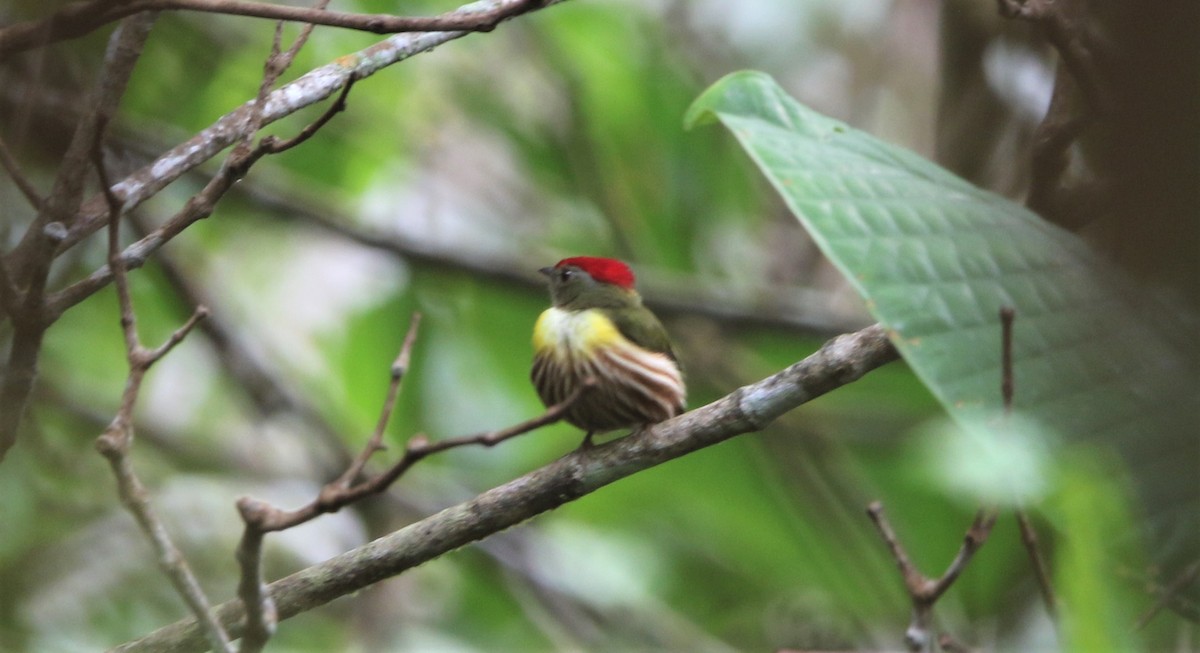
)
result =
(925, 591)
(117, 440)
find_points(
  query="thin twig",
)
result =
(200, 206)
(1029, 537)
(1007, 314)
(117, 440)
(306, 90)
(66, 195)
(261, 615)
(81, 18)
(924, 592)
(275, 146)
(266, 389)
(30, 261)
(375, 443)
(334, 496)
(260, 518)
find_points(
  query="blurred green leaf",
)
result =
(1089, 508)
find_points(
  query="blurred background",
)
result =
(448, 181)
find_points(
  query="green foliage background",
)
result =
(559, 133)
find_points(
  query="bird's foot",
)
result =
(587, 443)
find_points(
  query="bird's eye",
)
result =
(567, 274)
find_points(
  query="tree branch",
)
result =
(199, 206)
(260, 384)
(1029, 536)
(308, 89)
(923, 591)
(80, 18)
(117, 440)
(839, 362)
(29, 262)
(375, 442)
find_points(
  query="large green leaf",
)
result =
(936, 258)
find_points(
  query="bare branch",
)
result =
(64, 199)
(335, 495)
(843, 360)
(200, 206)
(423, 447)
(29, 263)
(80, 18)
(135, 498)
(375, 443)
(275, 146)
(1007, 314)
(266, 389)
(117, 440)
(261, 614)
(308, 89)
(924, 592)
(1029, 536)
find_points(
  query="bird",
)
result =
(598, 332)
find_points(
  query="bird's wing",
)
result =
(642, 328)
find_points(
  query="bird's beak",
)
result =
(548, 271)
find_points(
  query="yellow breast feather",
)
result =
(574, 333)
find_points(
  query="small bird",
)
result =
(598, 329)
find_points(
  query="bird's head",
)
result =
(591, 282)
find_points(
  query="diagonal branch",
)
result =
(80, 18)
(308, 89)
(200, 206)
(375, 443)
(840, 361)
(336, 495)
(261, 614)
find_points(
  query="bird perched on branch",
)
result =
(598, 331)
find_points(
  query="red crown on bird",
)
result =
(604, 270)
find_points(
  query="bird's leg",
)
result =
(587, 441)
